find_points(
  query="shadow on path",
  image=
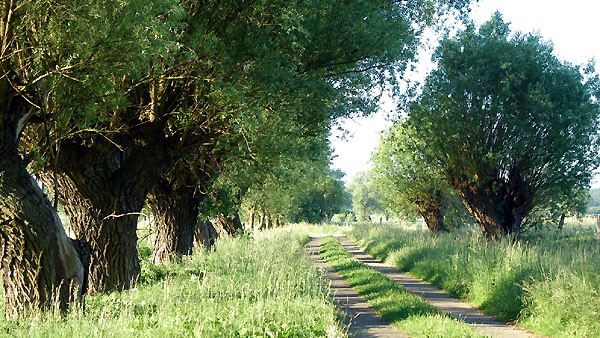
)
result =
(440, 299)
(361, 317)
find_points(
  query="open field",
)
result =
(548, 283)
(259, 285)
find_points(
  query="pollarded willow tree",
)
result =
(407, 181)
(45, 49)
(227, 68)
(107, 162)
(509, 124)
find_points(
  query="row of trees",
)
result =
(503, 126)
(193, 107)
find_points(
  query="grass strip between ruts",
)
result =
(410, 313)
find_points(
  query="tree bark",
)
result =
(434, 219)
(109, 224)
(269, 221)
(205, 235)
(262, 224)
(175, 208)
(39, 263)
(103, 189)
(498, 207)
(252, 216)
(561, 222)
(226, 226)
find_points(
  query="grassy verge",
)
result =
(410, 313)
(252, 286)
(548, 283)
(331, 229)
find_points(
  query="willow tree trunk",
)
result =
(205, 235)
(434, 219)
(561, 222)
(269, 221)
(109, 223)
(39, 263)
(227, 226)
(175, 208)
(262, 222)
(103, 189)
(498, 207)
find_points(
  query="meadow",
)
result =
(259, 284)
(548, 282)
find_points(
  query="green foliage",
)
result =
(407, 182)
(574, 203)
(593, 206)
(409, 312)
(366, 198)
(285, 71)
(502, 115)
(260, 286)
(537, 282)
(324, 198)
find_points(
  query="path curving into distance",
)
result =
(443, 301)
(361, 317)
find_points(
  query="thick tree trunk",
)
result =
(109, 224)
(226, 226)
(175, 208)
(262, 224)
(40, 266)
(561, 222)
(103, 189)
(39, 263)
(434, 219)
(498, 207)
(205, 235)
(269, 221)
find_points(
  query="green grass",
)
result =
(259, 285)
(549, 282)
(410, 313)
(331, 229)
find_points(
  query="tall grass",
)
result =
(260, 285)
(549, 282)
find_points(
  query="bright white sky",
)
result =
(573, 27)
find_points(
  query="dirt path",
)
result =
(443, 301)
(362, 317)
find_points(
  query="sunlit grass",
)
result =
(260, 285)
(410, 313)
(548, 282)
(331, 229)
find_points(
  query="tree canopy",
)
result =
(106, 100)
(407, 181)
(509, 124)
